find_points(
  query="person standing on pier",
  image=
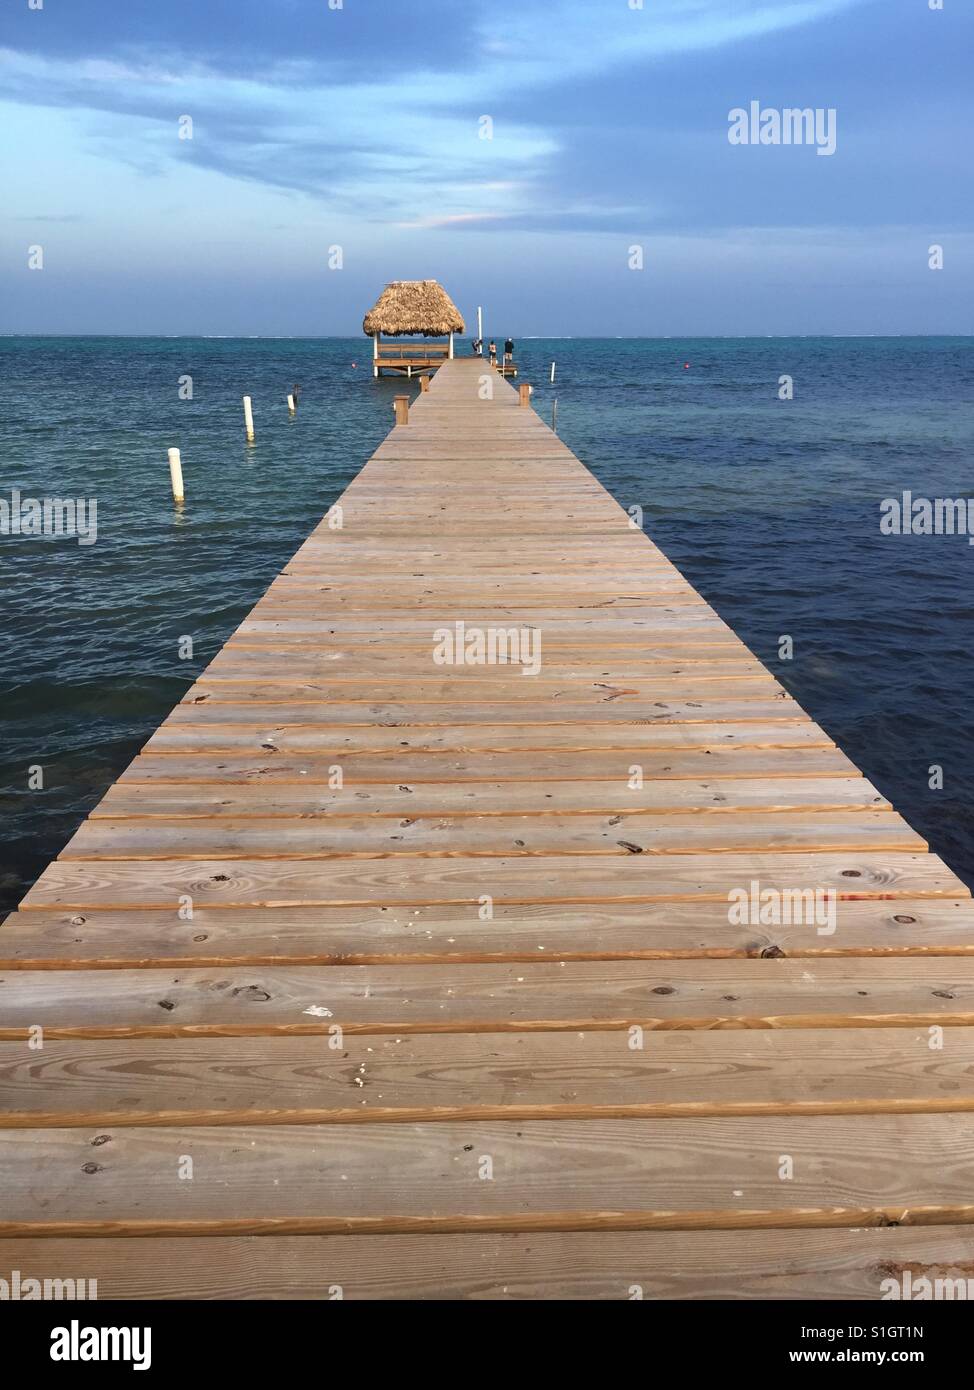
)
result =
(508, 351)
(492, 352)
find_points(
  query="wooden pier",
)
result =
(410, 979)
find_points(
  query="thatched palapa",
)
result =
(414, 307)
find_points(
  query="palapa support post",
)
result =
(176, 475)
(424, 383)
(524, 394)
(401, 406)
(248, 419)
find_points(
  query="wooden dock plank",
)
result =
(761, 721)
(491, 836)
(841, 992)
(662, 1174)
(231, 883)
(783, 756)
(209, 699)
(576, 1265)
(661, 797)
(381, 1078)
(519, 932)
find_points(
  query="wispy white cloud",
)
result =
(389, 149)
(541, 44)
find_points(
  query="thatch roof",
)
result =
(413, 306)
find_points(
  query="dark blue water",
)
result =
(770, 507)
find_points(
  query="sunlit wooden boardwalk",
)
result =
(342, 984)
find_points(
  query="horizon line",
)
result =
(525, 337)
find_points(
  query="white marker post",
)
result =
(480, 324)
(290, 404)
(552, 373)
(248, 419)
(176, 475)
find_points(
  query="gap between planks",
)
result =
(719, 1219)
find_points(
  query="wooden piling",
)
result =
(401, 406)
(524, 394)
(424, 383)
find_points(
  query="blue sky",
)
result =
(360, 126)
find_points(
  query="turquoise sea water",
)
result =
(770, 507)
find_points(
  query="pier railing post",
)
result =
(401, 405)
(524, 393)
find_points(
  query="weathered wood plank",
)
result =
(381, 1078)
(311, 737)
(183, 744)
(490, 836)
(417, 686)
(516, 704)
(838, 992)
(673, 761)
(532, 932)
(577, 1265)
(233, 883)
(544, 1175)
(662, 797)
